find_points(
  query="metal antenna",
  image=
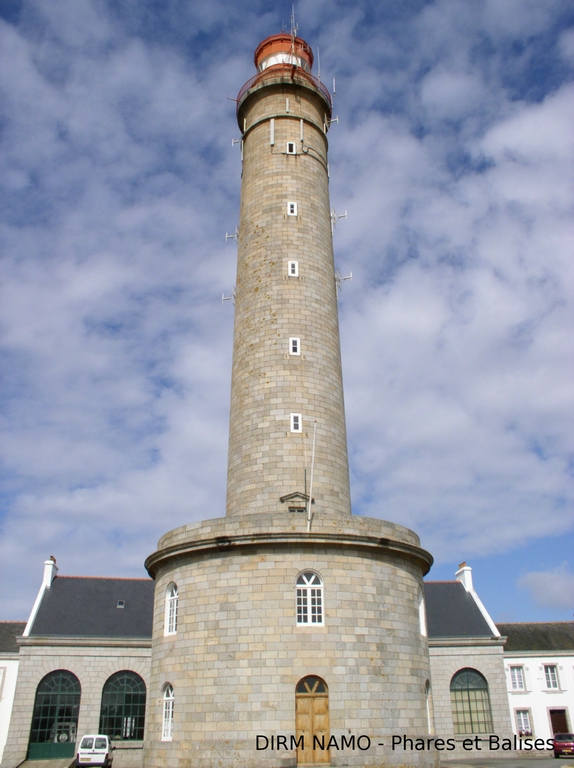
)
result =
(234, 236)
(335, 218)
(230, 298)
(318, 64)
(235, 141)
(310, 499)
(339, 280)
(334, 88)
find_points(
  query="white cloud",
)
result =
(550, 589)
(118, 182)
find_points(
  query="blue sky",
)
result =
(453, 156)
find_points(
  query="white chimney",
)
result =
(464, 575)
(50, 571)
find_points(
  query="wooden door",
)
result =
(312, 720)
(558, 721)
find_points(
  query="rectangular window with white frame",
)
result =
(291, 148)
(551, 675)
(293, 269)
(296, 422)
(517, 678)
(291, 209)
(294, 346)
(523, 723)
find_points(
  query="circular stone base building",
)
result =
(288, 632)
(287, 641)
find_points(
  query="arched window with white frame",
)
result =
(171, 608)
(167, 720)
(309, 599)
(422, 613)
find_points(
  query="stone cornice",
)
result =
(465, 642)
(197, 546)
(86, 642)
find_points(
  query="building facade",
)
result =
(539, 667)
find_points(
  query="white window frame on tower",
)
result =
(293, 269)
(309, 600)
(291, 148)
(296, 422)
(171, 609)
(291, 208)
(517, 678)
(167, 719)
(294, 346)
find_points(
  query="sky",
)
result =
(453, 156)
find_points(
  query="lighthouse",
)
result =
(289, 631)
(287, 413)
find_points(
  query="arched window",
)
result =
(429, 706)
(422, 613)
(55, 718)
(309, 598)
(167, 721)
(470, 702)
(171, 604)
(122, 714)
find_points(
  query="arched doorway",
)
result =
(55, 718)
(122, 714)
(470, 702)
(312, 719)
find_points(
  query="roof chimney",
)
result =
(50, 571)
(464, 575)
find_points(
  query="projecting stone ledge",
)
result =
(245, 532)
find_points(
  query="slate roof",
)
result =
(87, 607)
(9, 631)
(554, 636)
(452, 612)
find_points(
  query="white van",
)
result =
(95, 749)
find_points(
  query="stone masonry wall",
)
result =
(92, 666)
(267, 460)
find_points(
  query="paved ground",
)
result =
(524, 761)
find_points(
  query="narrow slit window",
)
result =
(296, 422)
(293, 269)
(294, 346)
(291, 209)
(291, 148)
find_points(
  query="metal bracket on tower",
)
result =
(339, 280)
(333, 120)
(230, 298)
(235, 141)
(335, 218)
(234, 236)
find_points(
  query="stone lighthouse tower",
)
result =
(289, 631)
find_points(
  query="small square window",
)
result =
(296, 424)
(294, 347)
(291, 209)
(121, 604)
(293, 269)
(291, 148)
